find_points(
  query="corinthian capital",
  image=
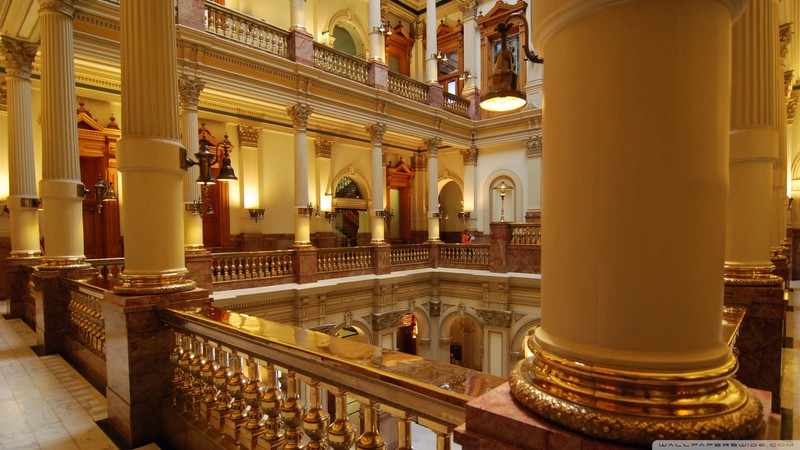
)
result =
(785, 34)
(248, 135)
(534, 146)
(470, 155)
(189, 90)
(469, 9)
(299, 114)
(60, 6)
(19, 56)
(376, 132)
(323, 148)
(418, 29)
(432, 145)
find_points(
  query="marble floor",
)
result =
(46, 404)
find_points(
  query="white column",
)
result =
(470, 157)
(608, 342)
(148, 153)
(433, 187)
(472, 43)
(22, 199)
(431, 48)
(189, 91)
(375, 36)
(300, 114)
(61, 188)
(297, 14)
(376, 220)
(533, 152)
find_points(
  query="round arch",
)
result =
(361, 328)
(350, 24)
(423, 323)
(518, 341)
(488, 195)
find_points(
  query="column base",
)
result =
(751, 276)
(636, 407)
(54, 263)
(153, 284)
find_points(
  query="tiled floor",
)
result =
(46, 404)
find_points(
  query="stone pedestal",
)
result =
(495, 421)
(301, 47)
(382, 258)
(498, 247)
(19, 275)
(474, 97)
(191, 13)
(52, 301)
(760, 341)
(435, 96)
(378, 75)
(137, 359)
(198, 263)
(305, 264)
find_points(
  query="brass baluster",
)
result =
(195, 394)
(316, 420)
(237, 382)
(292, 412)
(177, 374)
(222, 407)
(341, 433)
(370, 439)
(184, 361)
(271, 402)
(254, 426)
(207, 372)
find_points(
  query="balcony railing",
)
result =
(231, 24)
(410, 254)
(341, 259)
(526, 234)
(251, 265)
(262, 384)
(456, 255)
(408, 87)
(339, 63)
(456, 104)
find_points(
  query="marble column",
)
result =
(23, 200)
(431, 44)
(376, 219)
(608, 347)
(470, 158)
(375, 35)
(472, 44)
(149, 152)
(302, 233)
(189, 90)
(61, 188)
(433, 187)
(297, 14)
(533, 153)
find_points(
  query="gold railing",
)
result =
(456, 104)
(245, 29)
(86, 323)
(407, 254)
(251, 265)
(346, 258)
(464, 254)
(259, 384)
(526, 234)
(408, 88)
(108, 268)
(339, 63)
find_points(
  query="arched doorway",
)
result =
(350, 212)
(451, 201)
(398, 200)
(465, 346)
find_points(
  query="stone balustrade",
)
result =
(339, 63)
(251, 265)
(231, 24)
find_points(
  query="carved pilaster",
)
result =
(495, 317)
(323, 148)
(534, 146)
(432, 145)
(376, 132)
(60, 6)
(791, 107)
(418, 29)
(18, 57)
(420, 162)
(788, 80)
(300, 114)
(469, 9)
(248, 135)
(189, 90)
(470, 155)
(786, 33)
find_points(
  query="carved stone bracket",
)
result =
(388, 319)
(248, 135)
(534, 146)
(495, 317)
(323, 148)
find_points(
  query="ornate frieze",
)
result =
(189, 90)
(60, 6)
(323, 148)
(248, 135)
(388, 319)
(469, 9)
(791, 107)
(300, 114)
(376, 132)
(432, 144)
(18, 56)
(785, 36)
(534, 146)
(495, 317)
(470, 155)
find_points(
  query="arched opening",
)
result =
(451, 201)
(350, 216)
(407, 333)
(503, 200)
(465, 344)
(353, 333)
(347, 39)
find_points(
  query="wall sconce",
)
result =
(503, 187)
(441, 214)
(466, 75)
(385, 28)
(103, 192)
(387, 214)
(503, 93)
(196, 207)
(440, 55)
(464, 216)
(256, 214)
(206, 159)
(309, 210)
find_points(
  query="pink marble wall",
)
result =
(191, 13)
(436, 96)
(305, 264)
(301, 47)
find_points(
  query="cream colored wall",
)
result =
(5, 230)
(492, 162)
(278, 183)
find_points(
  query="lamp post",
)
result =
(502, 187)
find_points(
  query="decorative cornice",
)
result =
(323, 148)
(389, 319)
(300, 114)
(376, 132)
(432, 144)
(534, 146)
(470, 155)
(495, 317)
(786, 33)
(248, 135)
(189, 90)
(18, 57)
(60, 6)
(791, 107)
(469, 9)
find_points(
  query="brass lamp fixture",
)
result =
(502, 187)
(256, 214)
(386, 213)
(206, 159)
(503, 93)
(103, 192)
(440, 55)
(385, 28)
(464, 216)
(308, 210)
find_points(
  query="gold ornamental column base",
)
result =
(63, 263)
(153, 284)
(751, 276)
(636, 407)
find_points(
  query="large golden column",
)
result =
(376, 220)
(634, 189)
(190, 89)
(433, 187)
(61, 188)
(22, 199)
(148, 153)
(302, 229)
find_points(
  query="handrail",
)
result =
(464, 254)
(233, 266)
(456, 105)
(248, 30)
(526, 234)
(340, 63)
(408, 87)
(407, 254)
(343, 258)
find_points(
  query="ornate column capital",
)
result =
(376, 132)
(432, 145)
(418, 29)
(785, 37)
(534, 146)
(189, 90)
(495, 317)
(60, 6)
(470, 155)
(788, 79)
(248, 135)
(791, 107)
(300, 114)
(3, 95)
(420, 162)
(469, 9)
(18, 56)
(323, 148)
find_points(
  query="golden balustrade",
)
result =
(456, 105)
(526, 234)
(248, 30)
(408, 254)
(108, 268)
(86, 323)
(340, 63)
(464, 254)
(251, 265)
(344, 258)
(409, 88)
(299, 368)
